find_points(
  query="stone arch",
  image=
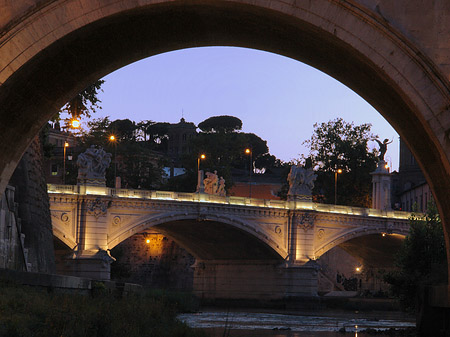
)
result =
(61, 236)
(50, 50)
(150, 221)
(358, 232)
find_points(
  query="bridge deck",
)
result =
(229, 200)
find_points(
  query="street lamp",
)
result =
(75, 123)
(113, 140)
(202, 156)
(248, 151)
(66, 145)
(336, 172)
(200, 187)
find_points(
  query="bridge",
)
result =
(250, 246)
(394, 54)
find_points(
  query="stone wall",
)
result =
(253, 280)
(153, 260)
(11, 252)
(34, 210)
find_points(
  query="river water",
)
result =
(240, 324)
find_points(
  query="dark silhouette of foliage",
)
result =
(86, 102)
(341, 145)
(422, 259)
(221, 124)
(123, 129)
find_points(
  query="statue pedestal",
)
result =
(94, 264)
(381, 192)
(300, 197)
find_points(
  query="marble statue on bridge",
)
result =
(301, 182)
(213, 185)
(92, 165)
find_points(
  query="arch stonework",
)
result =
(390, 53)
(358, 232)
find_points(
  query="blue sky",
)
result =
(277, 98)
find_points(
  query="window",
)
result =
(54, 169)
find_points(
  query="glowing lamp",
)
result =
(75, 123)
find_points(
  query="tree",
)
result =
(421, 260)
(123, 129)
(86, 102)
(137, 164)
(224, 147)
(221, 124)
(341, 145)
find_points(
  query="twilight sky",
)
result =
(277, 98)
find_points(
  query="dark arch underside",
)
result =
(212, 240)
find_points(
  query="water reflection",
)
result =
(240, 324)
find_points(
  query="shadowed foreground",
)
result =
(25, 311)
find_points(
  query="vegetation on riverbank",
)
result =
(25, 311)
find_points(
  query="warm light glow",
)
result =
(339, 171)
(112, 138)
(66, 144)
(383, 234)
(386, 166)
(148, 240)
(75, 123)
(248, 151)
(358, 269)
(202, 156)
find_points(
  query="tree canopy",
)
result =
(123, 129)
(421, 260)
(341, 145)
(221, 124)
(86, 102)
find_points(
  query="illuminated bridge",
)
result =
(244, 247)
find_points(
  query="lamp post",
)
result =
(202, 156)
(335, 184)
(200, 187)
(66, 145)
(113, 139)
(249, 151)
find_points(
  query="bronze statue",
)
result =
(383, 148)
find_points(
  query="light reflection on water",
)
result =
(271, 324)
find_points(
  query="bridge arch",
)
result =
(347, 236)
(187, 228)
(50, 50)
(64, 238)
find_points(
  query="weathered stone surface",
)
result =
(34, 209)
(11, 252)
(153, 260)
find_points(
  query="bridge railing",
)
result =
(230, 200)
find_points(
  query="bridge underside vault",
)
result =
(374, 250)
(211, 240)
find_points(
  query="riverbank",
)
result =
(28, 311)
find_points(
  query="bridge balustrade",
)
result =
(230, 200)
